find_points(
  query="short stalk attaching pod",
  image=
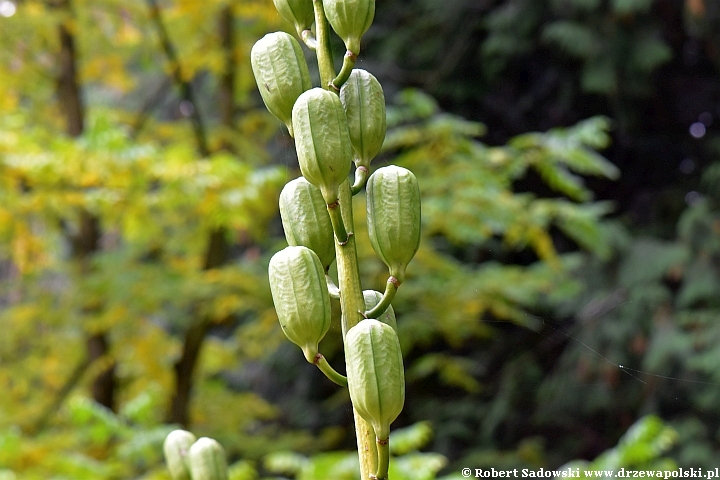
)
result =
(338, 224)
(361, 176)
(383, 449)
(390, 289)
(333, 289)
(372, 299)
(309, 39)
(348, 63)
(329, 371)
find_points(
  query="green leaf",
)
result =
(574, 38)
(286, 462)
(599, 75)
(650, 52)
(625, 7)
(410, 438)
(649, 260)
(331, 466)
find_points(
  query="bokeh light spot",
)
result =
(687, 166)
(693, 198)
(697, 130)
(7, 8)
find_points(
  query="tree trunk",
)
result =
(68, 91)
(103, 387)
(217, 249)
(226, 92)
(85, 243)
(179, 412)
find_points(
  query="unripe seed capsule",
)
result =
(372, 298)
(393, 216)
(322, 141)
(305, 219)
(364, 103)
(299, 291)
(281, 73)
(299, 12)
(207, 460)
(350, 19)
(376, 379)
(176, 447)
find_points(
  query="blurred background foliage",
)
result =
(564, 298)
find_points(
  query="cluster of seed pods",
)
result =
(189, 458)
(335, 127)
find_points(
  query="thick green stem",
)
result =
(390, 288)
(351, 296)
(353, 306)
(383, 448)
(322, 49)
(329, 371)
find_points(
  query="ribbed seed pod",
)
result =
(376, 379)
(176, 448)
(393, 216)
(207, 460)
(281, 73)
(372, 298)
(299, 12)
(322, 141)
(300, 294)
(364, 103)
(305, 219)
(350, 19)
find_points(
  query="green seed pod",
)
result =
(300, 294)
(281, 73)
(176, 447)
(376, 379)
(372, 298)
(305, 219)
(364, 102)
(322, 141)
(299, 12)
(393, 216)
(350, 19)
(207, 460)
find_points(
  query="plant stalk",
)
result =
(353, 307)
(322, 49)
(347, 67)
(387, 298)
(383, 459)
(351, 296)
(361, 178)
(329, 371)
